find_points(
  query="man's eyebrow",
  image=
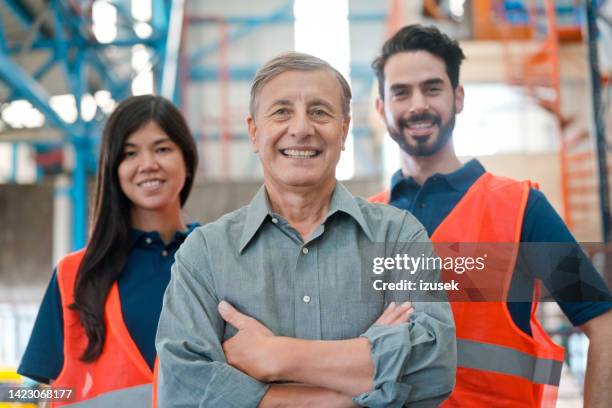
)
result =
(280, 102)
(427, 82)
(433, 81)
(321, 102)
(395, 87)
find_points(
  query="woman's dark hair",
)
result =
(108, 247)
(416, 37)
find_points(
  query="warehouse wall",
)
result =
(26, 222)
(26, 217)
(204, 98)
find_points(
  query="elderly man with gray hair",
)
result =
(268, 306)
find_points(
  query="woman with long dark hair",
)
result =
(95, 331)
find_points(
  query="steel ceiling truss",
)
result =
(64, 30)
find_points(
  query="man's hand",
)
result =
(394, 314)
(251, 349)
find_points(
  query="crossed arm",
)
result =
(318, 367)
(394, 362)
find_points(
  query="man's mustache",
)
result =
(422, 117)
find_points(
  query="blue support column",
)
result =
(78, 193)
(3, 43)
(170, 65)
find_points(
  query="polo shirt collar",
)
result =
(463, 178)
(135, 235)
(459, 180)
(179, 236)
(259, 209)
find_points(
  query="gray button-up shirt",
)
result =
(255, 260)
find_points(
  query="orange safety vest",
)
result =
(497, 363)
(120, 377)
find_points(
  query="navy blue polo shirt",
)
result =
(431, 203)
(142, 284)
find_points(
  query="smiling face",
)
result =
(299, 129)
(152, 172)
(419, 104)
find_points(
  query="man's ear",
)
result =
(459, 96)
(252, 128)
(380, 107)
(346, 123)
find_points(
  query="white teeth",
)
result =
(419, 125)
(150, 183)
(299, 153)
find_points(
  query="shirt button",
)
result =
(306, 299)
(421, 204)
(274, 221)
(164, 253)
(148, 240)
(305, 251)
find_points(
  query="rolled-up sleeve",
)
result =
(415, 362)
(192, 367)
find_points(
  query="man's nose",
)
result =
(418, 102)
(300, 125)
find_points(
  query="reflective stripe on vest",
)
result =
(132, 397)
(505, 360)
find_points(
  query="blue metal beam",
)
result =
(247, 72)
(244, 73)
(23, 14)
(46, 44)
(37, 75)
(118, 87)
(286, 18)
(160, 15)
(170, 65)
(24, 85)
(78, 193)
(3, 43)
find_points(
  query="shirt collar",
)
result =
(460, 180)
(344, 201)
(135, 235)
(259, 209)
(463, 178)
(179, 236)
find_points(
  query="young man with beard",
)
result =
(504, 357)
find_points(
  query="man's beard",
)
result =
(423, 149)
